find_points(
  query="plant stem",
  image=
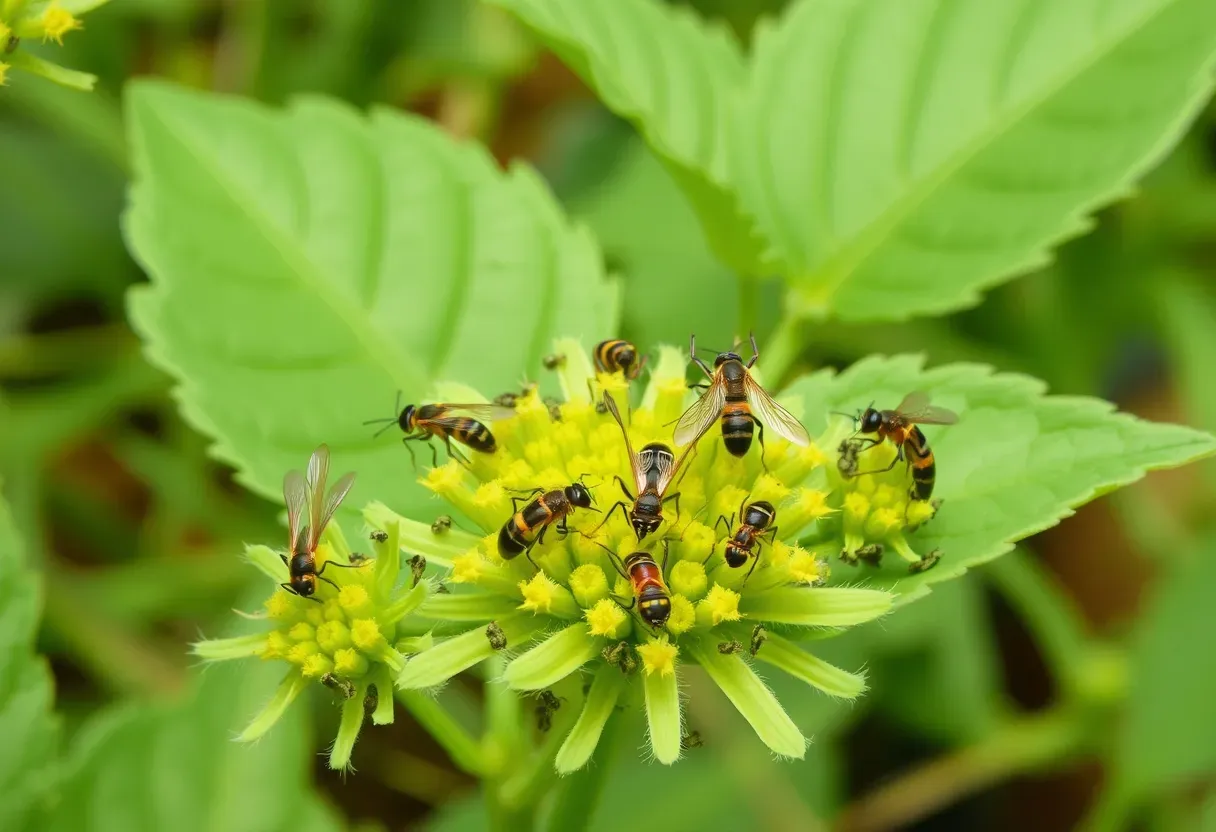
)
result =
(1022, 745)
(464, 751)
(782, 350)
(503, 751)
(578, 793)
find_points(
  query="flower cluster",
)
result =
(42, 21)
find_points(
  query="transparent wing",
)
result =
(916, 408)
(772, 415)
(336, 495)
(318, 471)
(701, 414)
(295, 495)
(635, 461)
(479, 411)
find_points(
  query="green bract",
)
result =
(40, 21)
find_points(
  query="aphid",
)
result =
(417, 568)
(759, 636)
(371, 701)
(618, 356)
(846, 456)
(338, 685)
(736, 399)
(358, 559)
(729, 648)
(900, 426)
(442, 524)
(691, 740)
(308, 495)
(649, 589)
(555, 408)
(554, 362)
(621, 655)
(546, 706)
(654, 468)
(422, 423)
(507, 400)
(755, 522)
(379, 536)
(496, 637)
(526, 528)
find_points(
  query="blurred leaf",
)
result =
(308, 263)
(30, 730)
(1187, 317)
(674, 76)
(904, 155)
(1169, 735)
(1017, 462)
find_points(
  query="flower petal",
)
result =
(408, 602)
(752, 698)
(575, 371)
(553, 659)
(443, 661)
(788, 656)
(663, 715)
(219, 649)
(382, 714)
(268, 561)
(580, 743)
(287, 691)
(468, 606)
(417, 538)
(348, 732)
(817, 606)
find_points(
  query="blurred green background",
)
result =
(136, 530)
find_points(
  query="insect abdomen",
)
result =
(474, 434)
(303, 563)
(924, 469)
(737, 427)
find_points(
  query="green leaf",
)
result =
(1018, 461)
(176, 766)
(1169, 735)
(903, 155)
(675, 78)
(29, 728)
(308, 263)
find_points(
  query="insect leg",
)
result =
(692, 351)
(618, 504)
(763, 461)
(897, 458)
(755, 351)
(621, 483)
(328, 581)
(729, 523)
(289, 589)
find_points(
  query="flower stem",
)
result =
(464, 751)
(578, 793)
(503, 751)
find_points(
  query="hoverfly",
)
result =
(900, 426)
(550, 508)
(741, 403)
(422, 423)
(650, 591)
(654, 467)
(618, 356)
(300, 495)
(755, 522)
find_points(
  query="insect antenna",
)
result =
(387, 421)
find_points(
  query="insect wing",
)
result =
(479, 411)
(702, 414)
(915, 408)
(318, 472)
(336, 495)
(295, 495)
(773, 415)
(636, 463)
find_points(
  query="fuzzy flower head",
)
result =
(585, 597)
(44, 21)
(347, 636)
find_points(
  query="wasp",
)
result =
(739, 402)
(900, 426)
(654, 468)
(618, 356)
(422, 423)
(646, 577)
(308, 494)
(755, 522)
(551, 508)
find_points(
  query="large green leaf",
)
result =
(903, 155)
(675, 78)
(1017, 462)
(29, 729)
(307, 264)
(176, 766)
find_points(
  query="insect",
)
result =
(654, 468)
(729, 648)
(620, 655)
(739, 402)
(900, 426)
(755, 522)
(649, 589)
(308, 494)
(554, 407)
(443, 523)
(340, 686)
(526, 528)
(379, 535)
(691, 740)
(554, 362)
(618, 356)
(547, 705)
(371, 701)
(496, 637)
(422, 423)
(759, 636)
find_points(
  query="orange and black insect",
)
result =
(900, 426)
(739, 402)
(618, 356)
(422, 423)
(654, 467)
(302, 495)
(650, 591)
(755, 522)
(527, 526)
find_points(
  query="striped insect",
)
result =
(527, 526)
(900, 427)
(737, 400)
(618, 356)
(446, 422)
(305, 495)
(755, 523)
(650, 593)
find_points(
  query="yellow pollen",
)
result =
(605, 618)
(467, 568)
(769, 488)
(538, 593)
(349, 662)
(814, 503)
(302, 632)
(883, 521)
(688, 579)
(299, 653)
(919, 511)
(490, 495)
(806, 568)
(683, 616)
(276, 647)
(333, 635)
(812, 455)
(57, 22)
(856, 505)
(280, 605)
(365, 634)
(722, 604)
(658, 656)
(353, 597)
(316, 665)
(445, 479)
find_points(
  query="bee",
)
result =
(554, 362)
(300, 494)
(649, 589)
(422, 423)
(739, 402)
(617, 356)
(755, 522)
(900, 426)
(550, 508)
(654, 468)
